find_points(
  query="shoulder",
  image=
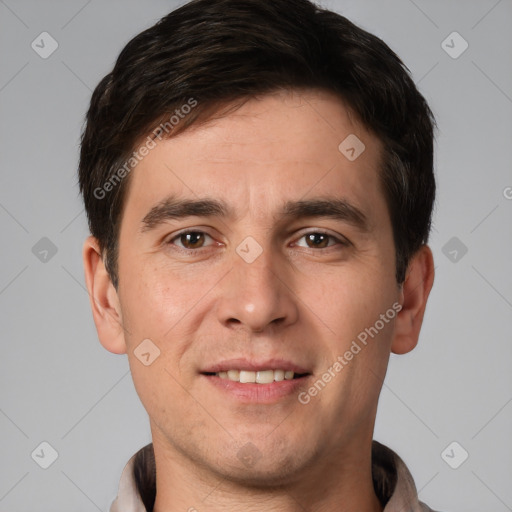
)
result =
(394, 481)
(128, 499)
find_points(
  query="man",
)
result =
(259, 186)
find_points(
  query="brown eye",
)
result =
(321, 240)
(190, 239)
(317, 240)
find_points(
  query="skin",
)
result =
(296, 301)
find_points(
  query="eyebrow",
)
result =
(173, 208)
(331, 207)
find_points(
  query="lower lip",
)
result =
(258, 393)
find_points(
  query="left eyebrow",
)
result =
(334, 208)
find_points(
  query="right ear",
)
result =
(103, 297)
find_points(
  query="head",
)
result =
(243, 105)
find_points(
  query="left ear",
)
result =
(415, 292)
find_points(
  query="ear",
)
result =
(414, 295)
(103, 297)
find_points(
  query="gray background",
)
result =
(57, 384)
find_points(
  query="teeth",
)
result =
(278, 375)
(261, 377)
(247, 376)
(232, 375)
(265, 377)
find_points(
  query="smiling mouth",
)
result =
(257, 377)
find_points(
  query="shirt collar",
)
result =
(392, 480)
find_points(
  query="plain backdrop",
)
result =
(59, 386)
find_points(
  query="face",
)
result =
(253, 244)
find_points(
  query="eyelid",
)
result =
(322, 231)
(171, 239)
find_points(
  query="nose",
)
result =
(258, 295)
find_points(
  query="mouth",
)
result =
(251, 382)
(257, 377)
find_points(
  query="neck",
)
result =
(339, 483)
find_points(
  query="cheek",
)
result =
(163, 396)
(155, 301)
(361, 314)
(166, 307)
(155, 310)
(355, 298)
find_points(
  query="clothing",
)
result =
(392, 481)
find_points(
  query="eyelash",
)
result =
(341, 242)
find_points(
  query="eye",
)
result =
(190, 240)
(320, 240)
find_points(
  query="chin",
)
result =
(255, 470)
(262, 478)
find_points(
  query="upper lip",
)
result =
(255, 366)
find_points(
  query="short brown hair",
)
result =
(223, 51)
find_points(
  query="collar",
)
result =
(392, 480)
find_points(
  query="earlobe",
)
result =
(415, 292)
(103, 298)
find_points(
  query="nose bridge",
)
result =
(260, 275)
(254, 294)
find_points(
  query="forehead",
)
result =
(283, 146)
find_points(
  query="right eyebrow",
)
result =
(174, 208)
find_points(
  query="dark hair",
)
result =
(209, 54)
(220, 51)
